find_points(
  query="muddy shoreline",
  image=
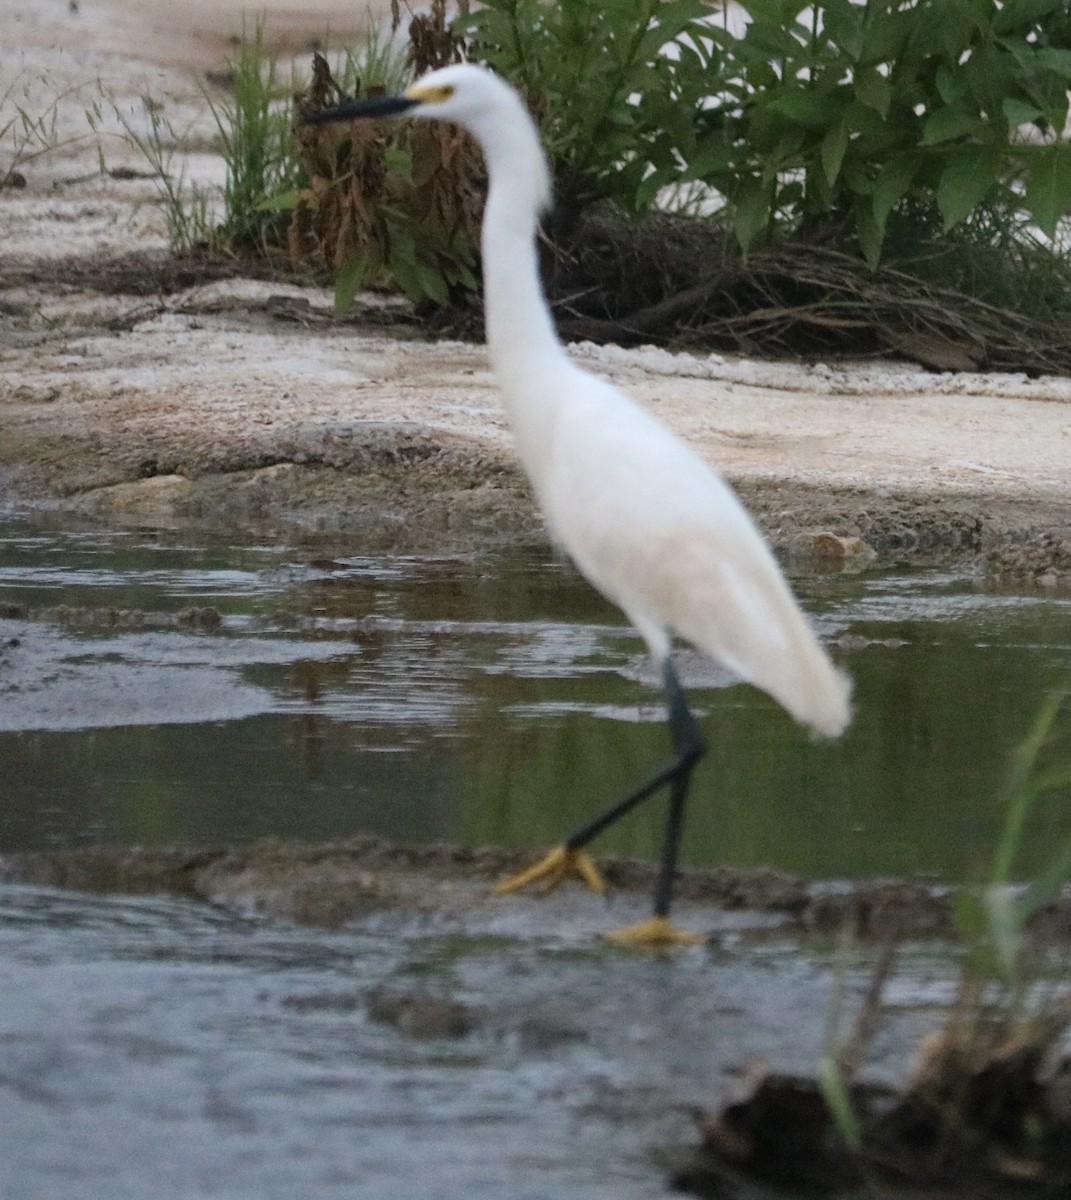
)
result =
(334, 883)
(139, 389)
(169, 394)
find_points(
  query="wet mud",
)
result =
(335, 883)
(180, 396)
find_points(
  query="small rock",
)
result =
(200, 617)
(421, 1016)
(835, 545)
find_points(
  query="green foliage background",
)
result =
(799, 116)
(882, 129)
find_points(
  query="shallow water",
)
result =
(491, 699)
(154, 1047)
(157, 1047)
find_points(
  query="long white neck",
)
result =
(523, 345)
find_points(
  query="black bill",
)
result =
(374, 106)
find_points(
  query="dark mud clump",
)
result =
(985, 1110)
(985, 1115)
(422, 1016)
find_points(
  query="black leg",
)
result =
(571, 858)
(688, 748)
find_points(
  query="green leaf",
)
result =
(402, 262)
(672, 21)
(869, 233)
(884, 39)
(433, 284)
(946, 124)
(646, 192)
(462, 274)
(959, 21)
(399, 160)
(1051, 779)
(844, 25)
(1048, 187)
(874, 90)
(809, 107)
(1055, 60)
(864, 120)
(1005, 929)
(1017, 785)
(834, 145)
(1019, 14)
(950, 84)
(970, 173)
(990, 76)
(488, 26)
(712, 157)
(892, 182)
(283, 202)
(970, 916)
(752, 210)
(348, 283)
(856, 174)
(1050, 883)
(405, 276)
(785, 152)
(1019, 112)
(839, 1102)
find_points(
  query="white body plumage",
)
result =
(651, 525)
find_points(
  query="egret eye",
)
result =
(430, 95)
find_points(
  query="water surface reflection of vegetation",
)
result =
(497, 699)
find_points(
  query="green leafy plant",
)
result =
(984, 1108)
(399, 201)
(847, 110)
(925, 132)
(982, 1082)
(615, 108)
(264, 172)
(837, 113)
(981, 1074)
(375, 61)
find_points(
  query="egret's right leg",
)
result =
(689, 747)
(571, 858)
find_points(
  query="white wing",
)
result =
(660, 533)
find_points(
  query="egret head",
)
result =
(476, 99)
(462, 93)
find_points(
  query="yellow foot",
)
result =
(553, 870)
(653, 934)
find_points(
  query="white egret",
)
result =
(650, 524)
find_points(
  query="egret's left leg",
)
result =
(553, 870)
(570, 857)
